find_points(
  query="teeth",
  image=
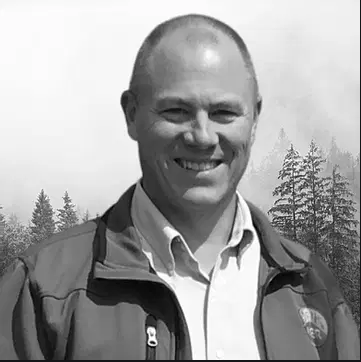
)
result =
(203, 166)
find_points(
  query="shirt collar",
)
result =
(159, 233)
(152, 226)
(122, 257)
(243, 221)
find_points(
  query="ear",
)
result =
(255, 119)
(253, 130)
(258, 106)
(129, 104)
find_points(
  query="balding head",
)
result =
(197, 31)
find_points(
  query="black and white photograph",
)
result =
(179, 180)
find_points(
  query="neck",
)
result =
(201, 225)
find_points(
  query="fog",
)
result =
(64, 64)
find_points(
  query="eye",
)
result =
(224, 115)
(224, 112)
(175, 111)
(175, 114)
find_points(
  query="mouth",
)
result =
(197, 166)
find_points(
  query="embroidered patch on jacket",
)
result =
(315, 325)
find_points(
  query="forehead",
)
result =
(198, 60)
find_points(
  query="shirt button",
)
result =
(219, 354)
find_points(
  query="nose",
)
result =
(201, 133)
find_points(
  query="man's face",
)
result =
(195, 123)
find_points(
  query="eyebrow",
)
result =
(164, 102)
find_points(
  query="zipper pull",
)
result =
(151, 330)
(152, 336)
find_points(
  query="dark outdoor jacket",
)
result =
(90, 293)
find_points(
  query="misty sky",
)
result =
(64, 64)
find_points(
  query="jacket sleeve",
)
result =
(20, 330)
(347, 336)
(345, 329)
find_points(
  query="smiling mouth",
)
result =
(197, 166)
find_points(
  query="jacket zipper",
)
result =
(151, 337)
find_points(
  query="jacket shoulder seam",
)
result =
(43, 296)
(56, 238)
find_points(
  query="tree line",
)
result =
(315, 206)
(16, 237)
(313, 199)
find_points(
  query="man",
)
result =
(181, 266)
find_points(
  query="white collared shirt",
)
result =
(218, 309)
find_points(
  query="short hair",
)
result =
(169, 26)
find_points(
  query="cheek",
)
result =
(239, 140)
(157, 136)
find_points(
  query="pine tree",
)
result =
(3, 246)
(5, 255)
(333, 156)
(2, 224)
(341, 225)
(356, 171)
(17, 235)
(341, 238)
(42, 221)
(273, 161)
(355, 183)
(286, 210)
(352, 294)
(312, 189)
(17, 238)
(67, 215)
(344, 159)
(86, 216)
(258, 182)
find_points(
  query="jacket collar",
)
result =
(272, 248)
(118, 253)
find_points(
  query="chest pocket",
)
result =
(123, 321)
(297, 323)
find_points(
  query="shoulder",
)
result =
(63, 262)
(316, 263)
(320, 276)
(68, 238)
(296, 249)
